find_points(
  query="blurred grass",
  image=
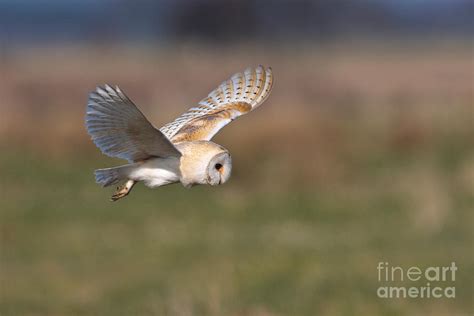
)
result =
(355, 159)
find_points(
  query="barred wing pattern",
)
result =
(120, 130)
(234, 97)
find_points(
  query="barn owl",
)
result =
(180, 151)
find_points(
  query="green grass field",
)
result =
(231, 250)
(298, 230)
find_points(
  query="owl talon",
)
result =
(120, 193)
(122, 190)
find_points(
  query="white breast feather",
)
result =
(157, 172)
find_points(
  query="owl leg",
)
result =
(123, 190)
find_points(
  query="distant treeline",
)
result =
(230, 20)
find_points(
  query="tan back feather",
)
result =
(236, 96)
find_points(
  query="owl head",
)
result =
(204, 162)
(219, 168)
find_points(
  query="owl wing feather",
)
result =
(235, 97)
(120, 130)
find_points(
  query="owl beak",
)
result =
(209, 181)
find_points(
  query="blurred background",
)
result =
(362, 154)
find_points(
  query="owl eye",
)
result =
(218, 166)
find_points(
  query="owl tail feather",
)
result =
(110, 176)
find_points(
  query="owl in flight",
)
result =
(180, 151)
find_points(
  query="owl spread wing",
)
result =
(120, 130)
(234, 97)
